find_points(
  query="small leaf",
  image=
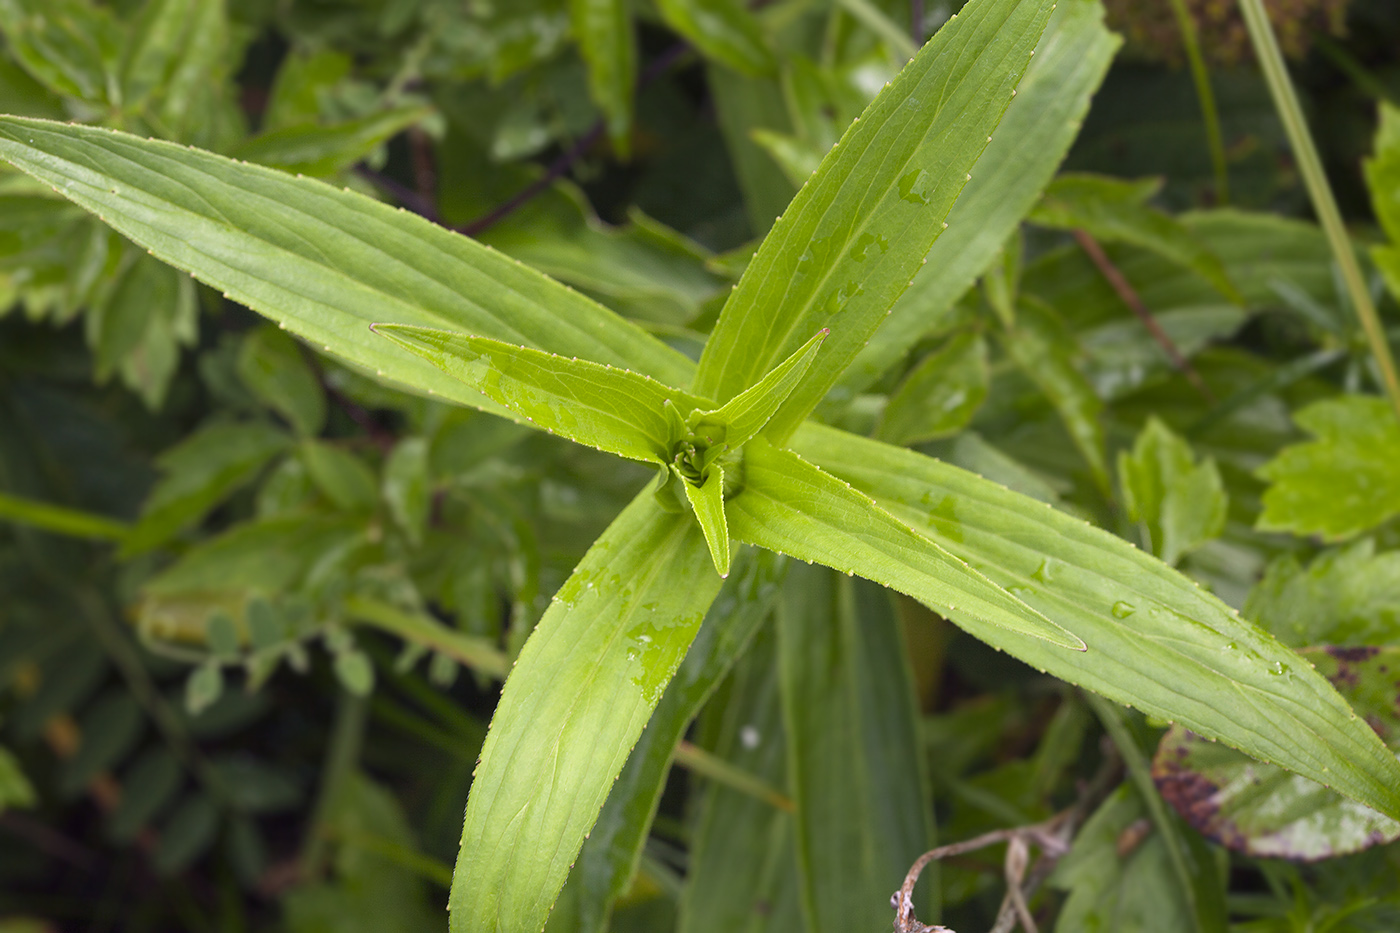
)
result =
(302, 80)
(147, 786)
(789, 506)
(406, 486)
(1045, 350)
(1346, 596)
(941, 394)
(15, 789)
(707, 501)
(200, 472)
(1182, 504)
(723, 30)
(222, 635)
(744, 416)
(1132, 890)
(1342, 483)
(186, 835)
(256, 786)
(203, 687)
(614, 410)
(795, 156)
(271, 365)
(1264, 811)
(342, 477)
(319, 151)
(608, 44)
(71, 46)
(355, 672)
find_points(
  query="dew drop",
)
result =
(1121, 609)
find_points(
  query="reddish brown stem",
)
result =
(1133, 300)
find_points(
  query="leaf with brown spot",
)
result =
(1263, 810)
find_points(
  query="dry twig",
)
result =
(1052, 837)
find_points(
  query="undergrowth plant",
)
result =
(774, 491)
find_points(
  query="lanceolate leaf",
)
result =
(582, 690)
(854, 236)
(789, 506)
(707, 500)
(855, 759)
(612, 409)
(1026, 148)
(743, 874)
(323, 262)
(610, 856)
(1156, 641)
(1264, 811)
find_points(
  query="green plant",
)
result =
(755, 417)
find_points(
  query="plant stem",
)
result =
(476, 653)
(1134, 301)
(1286, 101)
(1209, 114)
(60, 520)
(709, 765)
(342, 755)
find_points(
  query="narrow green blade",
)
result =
(855, 235)
(581, 692)
(323, 262)
(615, 410)
(788, 505)
(610, 856)
(1034, 135)
(1156, 640)
(746, 413)
(607, 42)
(708, 502)
(855, 764)
(742, 874)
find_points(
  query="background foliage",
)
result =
(258, 605)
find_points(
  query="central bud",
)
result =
(692, 457)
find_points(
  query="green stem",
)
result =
(342, 755)
(1286, 101)
(1209, 114)
(60, 520)
(707, 764)
(476, 653)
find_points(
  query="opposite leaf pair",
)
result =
(624, 413)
